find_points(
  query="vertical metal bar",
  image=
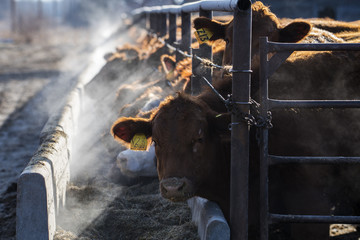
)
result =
(162, 24)
(152, 22)
(178, 56)
(39, 10)
(172, 28)
(13, 15)
(239, 186)
(185, 32)
(147, 20)
(264, 144)
(196, 81)
(157, 23)
(206, 50)
(55, 13)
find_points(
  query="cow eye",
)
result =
(154, 142)
(227, 40)
(199, 140)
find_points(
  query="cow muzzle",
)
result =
(176, 189)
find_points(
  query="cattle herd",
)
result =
(188, 140)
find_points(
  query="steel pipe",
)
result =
(210, 5)
(239, 174)
(313, 103)
(280, 47)
(274, 218)
(312, 160)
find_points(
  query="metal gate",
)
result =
(267, 68)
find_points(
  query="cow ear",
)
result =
(218, 29)
(125, 128)
(294, 32)
(168, 63)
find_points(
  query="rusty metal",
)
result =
(239, 175)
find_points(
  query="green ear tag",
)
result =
(139, 142)
(203, 35)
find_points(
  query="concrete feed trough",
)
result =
(42, 185)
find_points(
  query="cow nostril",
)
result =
(181, 187)
(163, 189)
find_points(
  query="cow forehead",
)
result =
(183, 120)
(176, 124)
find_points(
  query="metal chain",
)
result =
(205, 62)
(253, 118)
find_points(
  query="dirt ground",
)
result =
(35, 77)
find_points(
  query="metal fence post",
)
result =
(13, 15)
(162, 24)
(204, 51)
(185, 32)
(239, 186)
(264, 165)
(152, 22)
(172, 28)
(196, 82)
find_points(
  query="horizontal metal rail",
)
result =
(285, 50)
(313, 103)
(207, 5)
(312, 160)
(274, 218)
(282, 47)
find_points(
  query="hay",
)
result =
(135, 212)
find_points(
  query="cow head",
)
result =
(264, 23)
(178, 74)
(187, 137)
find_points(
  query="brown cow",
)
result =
(192, 150)
(192, 146)
(305, 75)
(264, 23)
(187, 134)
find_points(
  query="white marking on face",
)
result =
(200, 131)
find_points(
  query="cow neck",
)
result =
(223, 86)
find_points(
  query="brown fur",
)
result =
(174, 127)
(264, 23)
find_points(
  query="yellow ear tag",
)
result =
(170, 76)
(203, 35)
(139, 142)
